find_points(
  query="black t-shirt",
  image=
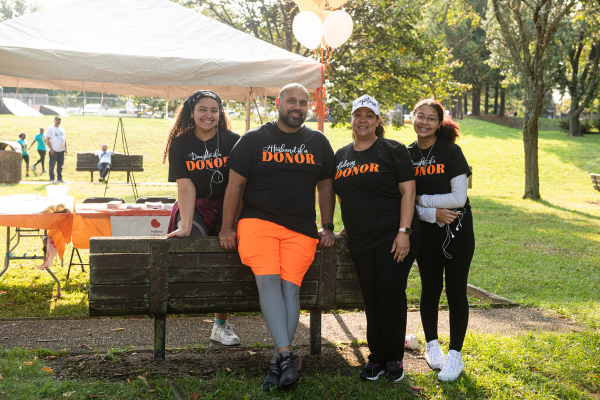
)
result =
(282, 170)
(198, 160)
(367, 183)
(434, 171)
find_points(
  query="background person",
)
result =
(57, 145)
(198, 146)
(441, 173)
(23, 142)
(375, 183)
(41, 149)
(277, 167)
(104, 161)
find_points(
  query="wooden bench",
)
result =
(596, 181)
(160, 276)
(120, 162)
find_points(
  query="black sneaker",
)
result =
(394, 371)
(371, 371)
(288, 368)
(272, 380)
(100, 180)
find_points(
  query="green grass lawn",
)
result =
(542, 366)
(542, 253)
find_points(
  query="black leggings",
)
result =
(42, 154)
(432, 265)
(383, 285)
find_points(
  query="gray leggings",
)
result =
(280, 305)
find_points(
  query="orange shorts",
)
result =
(271, 249)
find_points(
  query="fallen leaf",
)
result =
(129, 380)
(118, 329)
(9, 304)
(152, 390)
(195, 396)
(228, 370)
(118, 374)
(28, 363)
(143, 380)
(50, 358)
(68, 394)
(208, 320)
(252, 353)
(191, 372)
(47, 369)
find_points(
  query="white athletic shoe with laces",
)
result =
(434, 355)
(453, 366)
(224, 334)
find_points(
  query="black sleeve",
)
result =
(241, 157)
(328, 169)
(402, 164)
(177, 168)
(458, 164)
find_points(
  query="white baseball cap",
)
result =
(365, 101)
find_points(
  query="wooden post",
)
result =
(160, 324)
(248, 110)
(315, 333)
(265, 104)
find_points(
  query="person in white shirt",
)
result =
(57, 146)
(105, 159)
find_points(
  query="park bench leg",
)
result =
(315, 333)
(127, 176)
(159, 337)
(91, 176)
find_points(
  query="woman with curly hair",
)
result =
(198, 147)
(441, 173)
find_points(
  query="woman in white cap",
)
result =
(375, 183)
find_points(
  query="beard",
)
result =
(292, 122)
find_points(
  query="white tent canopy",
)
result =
(146, 48)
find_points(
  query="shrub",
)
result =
(585, 125)
(596, 122)
(563, 124)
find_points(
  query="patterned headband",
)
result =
(200, 94)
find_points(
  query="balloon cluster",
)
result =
(314, 26)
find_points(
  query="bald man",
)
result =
(276, 167)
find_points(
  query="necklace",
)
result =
(426, 158)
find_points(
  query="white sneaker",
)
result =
(453, 366)
(224, 334)
(434, 355)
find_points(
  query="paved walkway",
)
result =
(80, 335)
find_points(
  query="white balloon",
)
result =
(338, 28)
(308, 29)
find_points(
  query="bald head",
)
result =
(294, 86)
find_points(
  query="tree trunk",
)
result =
(486, 105)
(574, 118)
(533, 109)
(475, 109)
(459, 106)
(502, 108)
(496, 99)
(466, 111)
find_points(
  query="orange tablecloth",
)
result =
(59, 226)
(94, 220)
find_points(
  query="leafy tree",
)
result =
(10, 9)
(579, 38)
(389, 56)
(526, 31)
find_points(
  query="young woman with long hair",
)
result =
(441, 173)
(198, 146)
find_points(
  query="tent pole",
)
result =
(265, 104)
(167, 104)
(248, 109)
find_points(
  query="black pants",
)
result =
(432, 265)
(42, 154)
(57, 159)
(103, 168)
(383, 285)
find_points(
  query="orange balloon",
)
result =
(336, 3)
(309, 5)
